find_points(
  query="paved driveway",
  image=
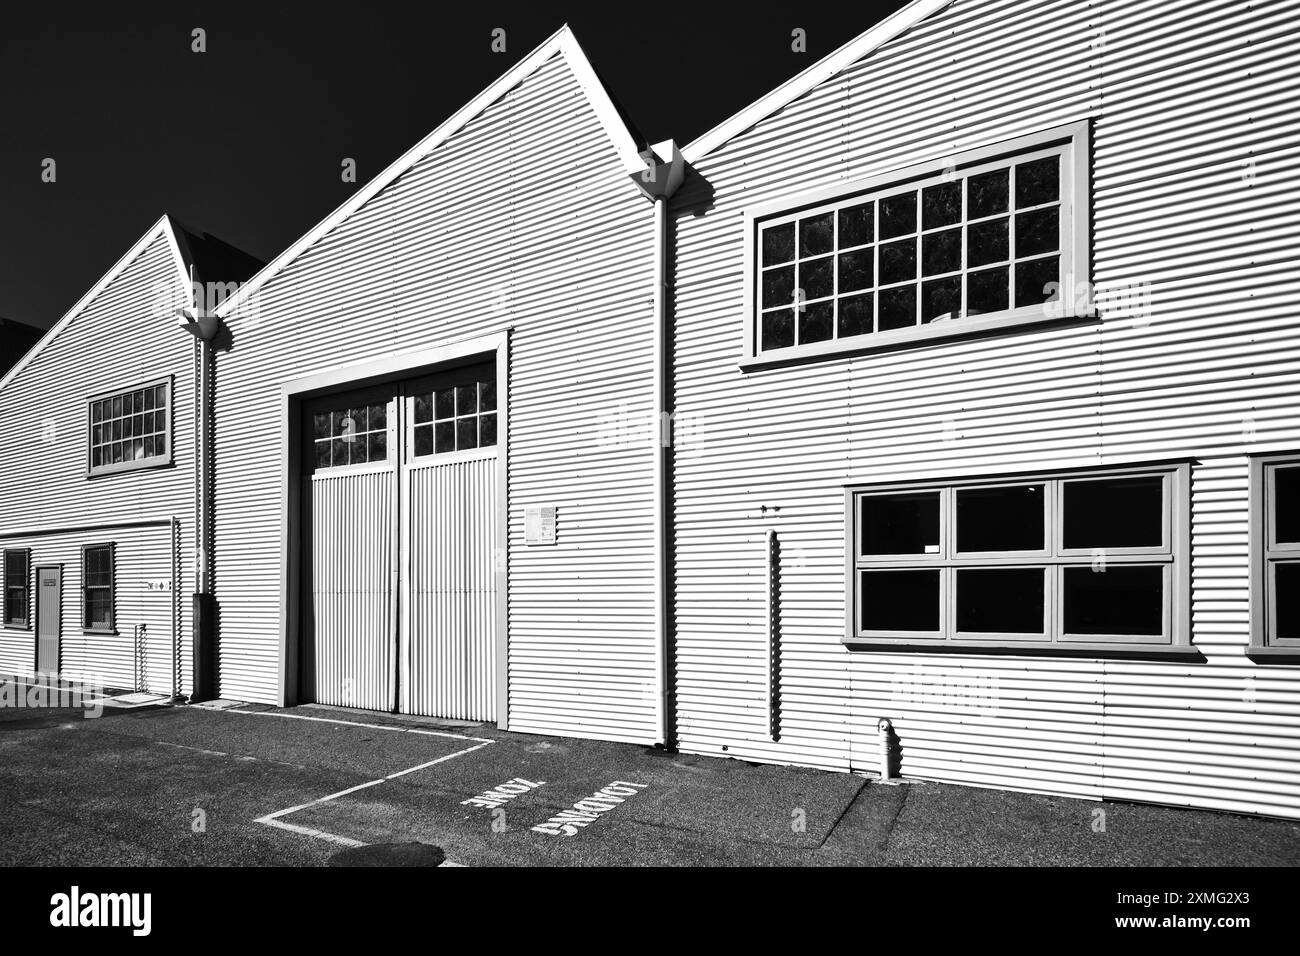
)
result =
(246, 784)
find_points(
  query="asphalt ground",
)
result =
(250, 785)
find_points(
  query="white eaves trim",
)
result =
(163, 227)
(824, 69)
(563, 42)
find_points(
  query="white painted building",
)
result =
(980, 361)
(98, 488)
(1046, 541)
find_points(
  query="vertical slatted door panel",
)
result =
(349, 657)
(450, 654)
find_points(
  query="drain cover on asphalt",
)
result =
(390, 854)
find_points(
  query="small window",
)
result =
(1275, 613)
(988, 237)
(97, 587)
(17, 572)
(353, 434)
(455, 417)
(130, 430)
(1077, 560)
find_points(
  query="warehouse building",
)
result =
(98, 496)
(990, 318)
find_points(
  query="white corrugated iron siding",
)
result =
(524, 219)
(1195, 160)
(125, 337)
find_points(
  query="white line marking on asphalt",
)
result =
(273, 819)
(357, 723)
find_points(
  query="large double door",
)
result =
(399, 530)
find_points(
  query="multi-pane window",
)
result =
(350, 435)
(130, 429)
(97, 587)
(455, 417)
(1278, 558)
(17, 575)
(991, 237)
(1069, 559)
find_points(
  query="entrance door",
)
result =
(49, 596)
(399, 526)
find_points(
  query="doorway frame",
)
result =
(36, 618)
(359, 374)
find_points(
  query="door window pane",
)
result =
(1114, 513)
(1001, 519)
(900, 524)
(900, 600)
(1000, 600)
(1121, 599)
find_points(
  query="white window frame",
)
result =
(1174, 556)
(1073, 141)
(87, 628)
(26, 623)
(1265, 552)
(154, 461)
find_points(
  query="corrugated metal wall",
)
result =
(450, 596)
(123, 338)
(525, 218)
(1194, 171)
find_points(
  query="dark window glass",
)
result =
(816, 235)
(1121, 599)
(466, 433)
(815, 322)
(423, 408)
(1037, 232)
(1286, 600)
(940, 298)
(897, 215)
(1037, 182)
(778, 329)
(778, 244)
(940, 205)
(856, 269)
(487, 396)
(444, 436)
(898, 261)
(444, 403)
(778, 286)
(817, 278)
(941, 252)
(377, 446)
(424, 440)
(323, 454)
(466, 399)
(487, 430)
(1000, 519)
(1286, 505)
(1000, 600)
(1113, 513)
(900, 600)
(904, 523)
(855, 315)
(898, 308)
(987, 242)
(987, 194)
(1032, 279)
(16, 574)
(986, 291)
(857, 225)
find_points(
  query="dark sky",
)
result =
(245, 140)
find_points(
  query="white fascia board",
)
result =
(824, 69)
(162, 227)
(562, 42)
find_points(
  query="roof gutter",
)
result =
(664, 172)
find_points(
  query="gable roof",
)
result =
(562, 42)
(212, 259)
(824, 69)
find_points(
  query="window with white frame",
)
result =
(987, 238)
(455, 417)
(17, 598)
(351, 434)
(98, 581)
(1276, 615)
(1075, 559)
(130, 429)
